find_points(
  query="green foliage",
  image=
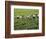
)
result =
(25, 23)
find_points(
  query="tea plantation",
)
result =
(25, 19)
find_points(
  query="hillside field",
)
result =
(25, 19)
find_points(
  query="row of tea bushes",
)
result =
(26, 16)
(28, 23)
